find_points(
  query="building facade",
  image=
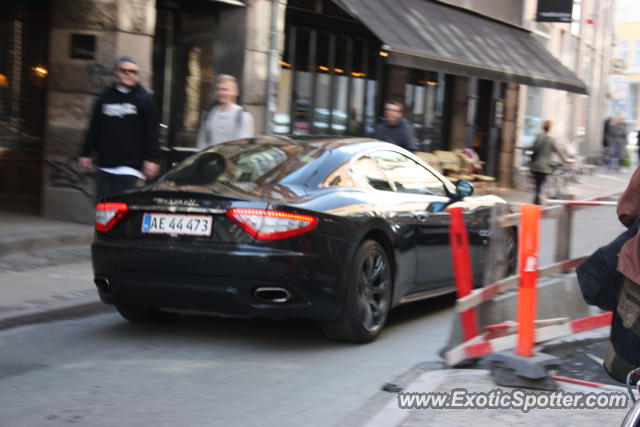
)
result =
(625, 79)
(584, 46)
(305, 67)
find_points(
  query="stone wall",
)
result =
(257, 53)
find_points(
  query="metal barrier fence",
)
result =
(495, 337)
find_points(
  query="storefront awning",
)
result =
(433, 36)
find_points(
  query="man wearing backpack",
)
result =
(226, 120)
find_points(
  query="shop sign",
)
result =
(554, 10)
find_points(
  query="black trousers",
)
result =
(108, 184)
(538, 179)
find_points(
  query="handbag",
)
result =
(598, 276)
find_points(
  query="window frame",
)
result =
(449, 187)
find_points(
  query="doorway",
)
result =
(24, 44)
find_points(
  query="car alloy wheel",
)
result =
(368, 297)
(374, 285)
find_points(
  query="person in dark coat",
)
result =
(623, 351)
(395, 128)
(123, 134)
(543, 148)
(616, 143)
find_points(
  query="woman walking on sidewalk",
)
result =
(543, 149)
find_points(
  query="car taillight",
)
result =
(264, 224)
(108, 214)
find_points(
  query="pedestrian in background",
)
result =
(123, 134)
(616, 143)
(540, 166)
(226, 120)
(395, 128)
(605, 141)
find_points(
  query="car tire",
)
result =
(367, 299)
(140, 314)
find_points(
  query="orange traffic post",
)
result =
(529, 238)
(459, 240)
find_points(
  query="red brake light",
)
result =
(108, 214)
(264, 224)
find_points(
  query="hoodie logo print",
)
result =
(119, 110)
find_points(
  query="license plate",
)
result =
(192, 225)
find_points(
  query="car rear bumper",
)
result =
(219, 281)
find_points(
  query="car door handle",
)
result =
(420, 216)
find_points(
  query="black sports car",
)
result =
(335, 229)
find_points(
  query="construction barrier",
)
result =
(588, 383)
(582, 202)
(481, 345)
(529, 239)
(478, 296)
(501, 336)
(459, 241)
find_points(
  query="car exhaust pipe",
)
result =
(102, 283)
(273, 294)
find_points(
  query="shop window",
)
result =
(327, 84)
(183, 72)
(358, 83)
(423, 92)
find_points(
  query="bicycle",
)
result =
(555, 182)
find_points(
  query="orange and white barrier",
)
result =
(481, 346)
(478, 296)
(459, 241)
(527, 296)
(583, 202)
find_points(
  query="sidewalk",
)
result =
(386, 413)
(45, 270)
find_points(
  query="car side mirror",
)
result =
(435, 207)
(463, 189)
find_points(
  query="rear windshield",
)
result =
(245, 164)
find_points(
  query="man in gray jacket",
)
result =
(543, 149)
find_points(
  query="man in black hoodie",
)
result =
(395, 128)
(123, 133)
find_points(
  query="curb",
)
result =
(12, 246)
(362, 415)
(79, 308)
